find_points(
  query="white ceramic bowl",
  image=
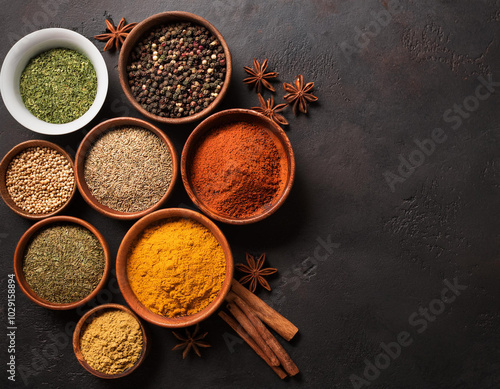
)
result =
(28, 47)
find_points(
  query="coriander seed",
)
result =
(39, 180)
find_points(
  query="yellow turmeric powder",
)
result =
(176, 267)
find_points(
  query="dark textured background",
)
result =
(393, 249)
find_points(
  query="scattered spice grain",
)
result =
(238, 170)
(128, 169)
(58, 85)
(39, 180)
(63, 263)
(177, 70)
(112, 342)
(176, 267)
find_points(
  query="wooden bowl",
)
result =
(19, 257)
(219, 119)
(87, 143)
(87, 319)
(155, 21)
(121, 268)
(3, 170)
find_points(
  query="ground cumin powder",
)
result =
(176, 267)
(112, 342)
(238, 170)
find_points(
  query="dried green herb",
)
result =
(58, 85)
(63, 263)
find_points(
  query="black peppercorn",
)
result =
(170, 62)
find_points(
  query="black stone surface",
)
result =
(392, 250)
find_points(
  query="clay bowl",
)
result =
(234, 115)
(3, 169)
(19, 254)
(121, 269)
(155, 21)
(87, 143)
(87, 319)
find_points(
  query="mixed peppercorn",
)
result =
(177, 70)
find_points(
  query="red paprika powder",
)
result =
(238, 170)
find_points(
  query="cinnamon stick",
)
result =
(248, 326)
(271, 341)
(268, 315)
(247, 338)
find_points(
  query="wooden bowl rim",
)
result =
(19, 256)
(77, 334)
(207, 125)
(4, 165)
(89, 140)
(159, 19)
(129, 295)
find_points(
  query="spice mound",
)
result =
(238, 170)
(58, 85)
(176, 70)
(128, 169)
(112, 342)
(176, 267)
(39, 180)
(63, 263)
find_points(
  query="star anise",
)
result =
(271, 111)
(116, 36)
(299, 94)
(258, 77)
(255, 272)
(191, 342)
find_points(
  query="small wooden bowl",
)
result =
(121, 268)
(19, 257)
(87, 319)
(87, 143)
(4, 165)
(219, 119)
(155, 21)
